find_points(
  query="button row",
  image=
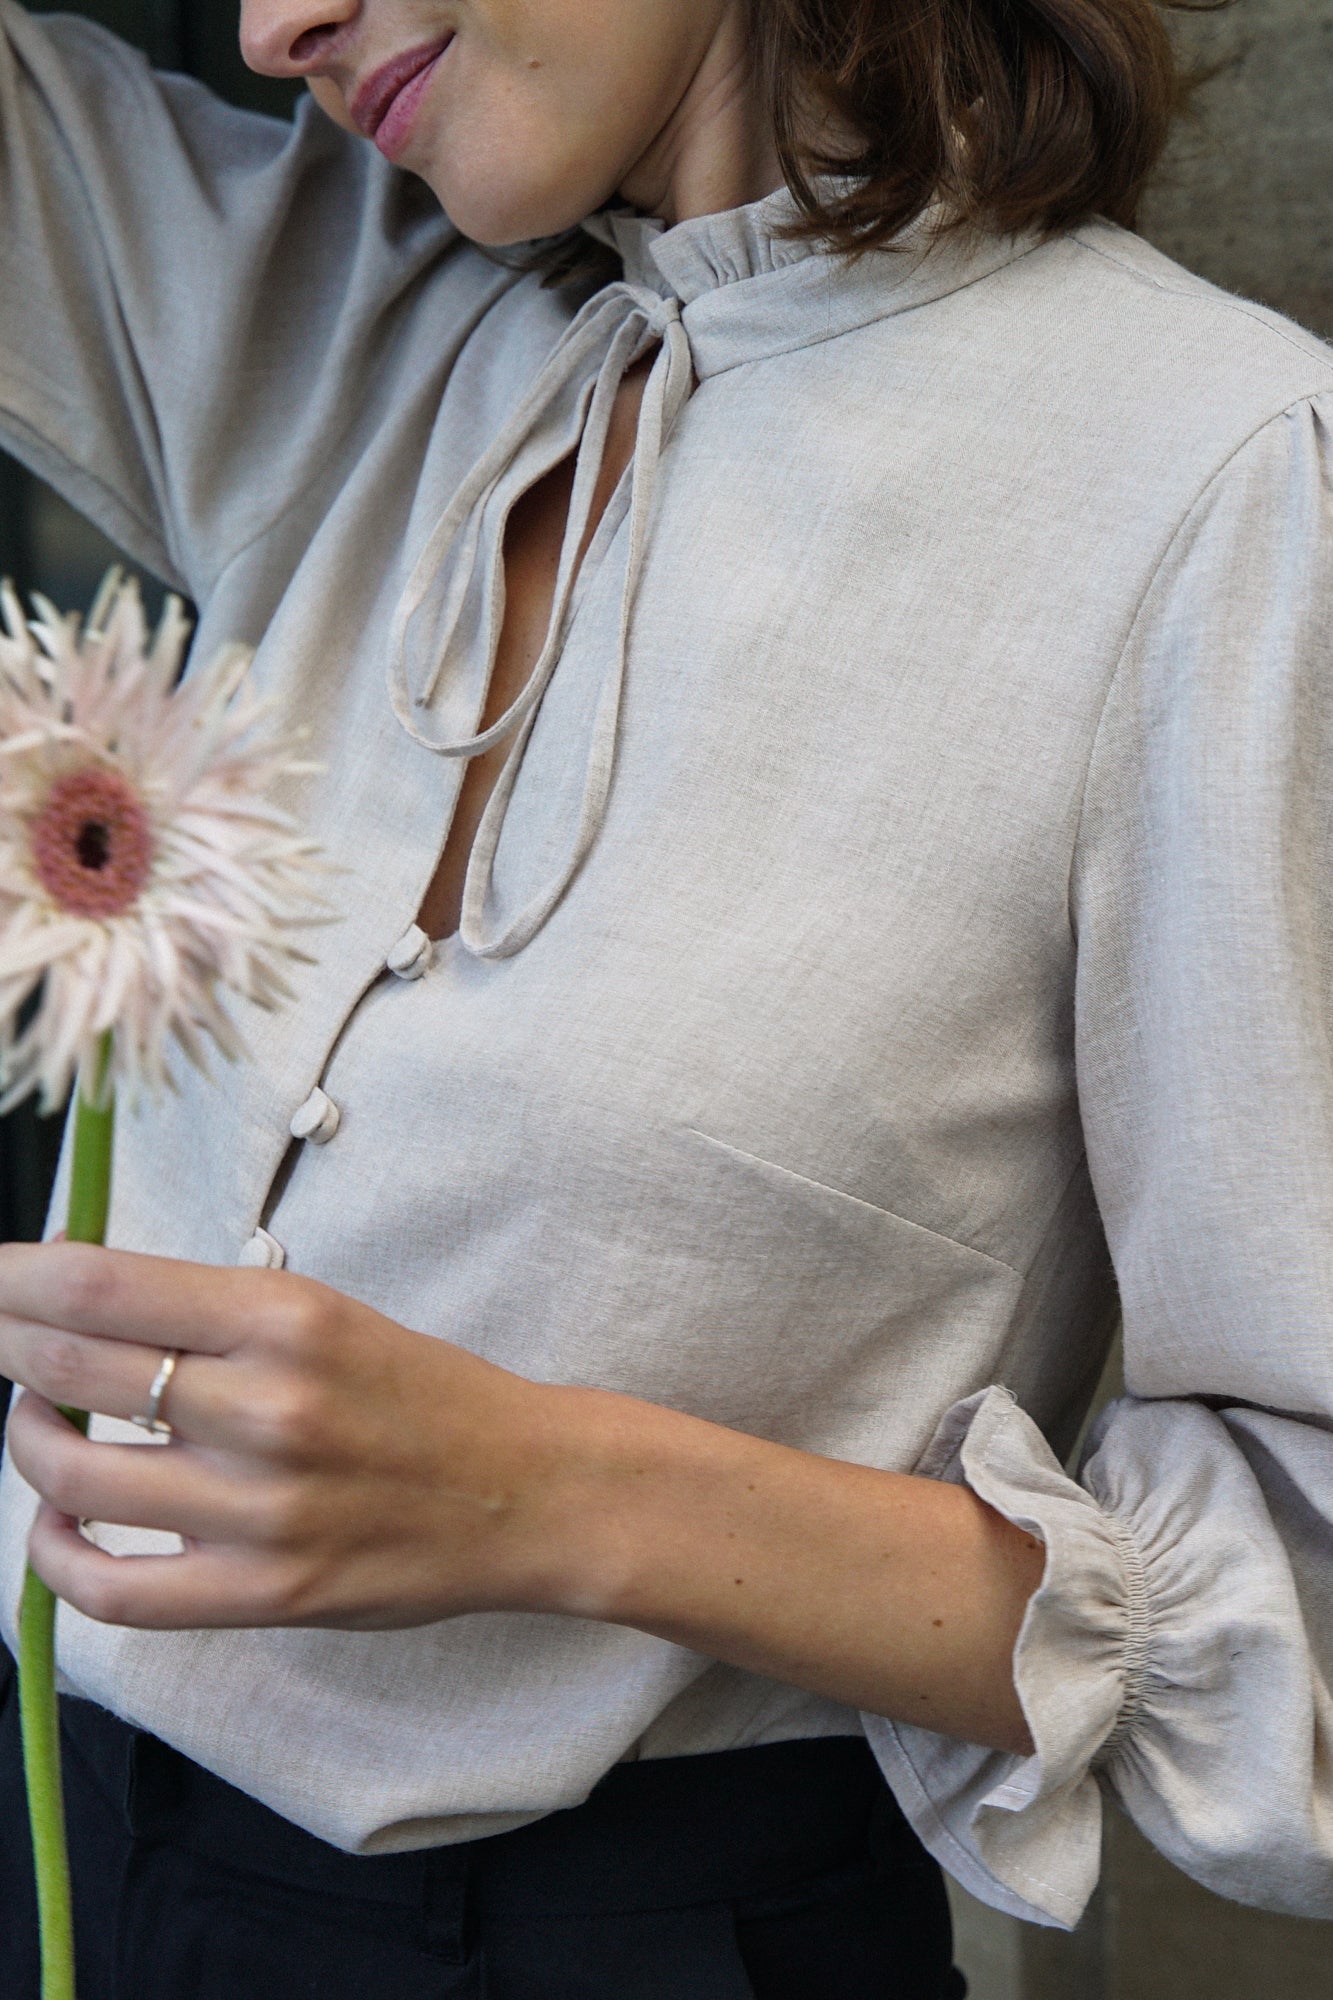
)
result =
(319, 1117)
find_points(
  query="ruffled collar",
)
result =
(747, 289)
(690, 258)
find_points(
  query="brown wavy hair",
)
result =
(1015, 114)
(1012, 114)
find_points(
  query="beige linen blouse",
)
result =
(909, 904)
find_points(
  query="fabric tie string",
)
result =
(570, 406)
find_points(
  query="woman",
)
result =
(873, 712)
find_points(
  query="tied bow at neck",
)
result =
(569, 408)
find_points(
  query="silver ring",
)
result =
(151, 1420)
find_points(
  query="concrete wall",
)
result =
(1149, 1934)
(1246, 194)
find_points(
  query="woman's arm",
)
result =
(195, 297)
(333, 1468)
(894, 1594)
(1179, 1654)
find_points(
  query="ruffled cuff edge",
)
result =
(1024, 1833)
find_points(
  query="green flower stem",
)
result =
(39, 1710)
(90, 1169)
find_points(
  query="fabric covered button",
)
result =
(317, 1120)
(263, 1252)
(411, 955)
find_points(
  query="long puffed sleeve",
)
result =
(1180, 1649)
(199, 305)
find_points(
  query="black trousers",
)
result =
(785, 1872)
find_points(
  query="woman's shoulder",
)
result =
(1169, 346)
(1087, 358)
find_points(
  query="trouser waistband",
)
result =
(656, 1834)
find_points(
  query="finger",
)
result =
(198, 1589)
(115, 1378)
(150, 1301)
(181, 1491)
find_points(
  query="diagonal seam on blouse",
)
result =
(874, 1208)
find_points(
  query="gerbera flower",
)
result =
(144, 869)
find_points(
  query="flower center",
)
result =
(92, 843)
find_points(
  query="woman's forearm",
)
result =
(898, 1595)
(333, 1468)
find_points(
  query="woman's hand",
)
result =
(331, 1468)
(328, 1467)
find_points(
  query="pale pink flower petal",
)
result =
(144, 868)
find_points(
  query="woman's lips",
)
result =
(386, 103)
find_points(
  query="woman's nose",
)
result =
(293, 37)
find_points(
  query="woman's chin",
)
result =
(505, 182)
(497, 222)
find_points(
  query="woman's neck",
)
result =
(716, 151)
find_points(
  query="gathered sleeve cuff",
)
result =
(1164, 1657)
